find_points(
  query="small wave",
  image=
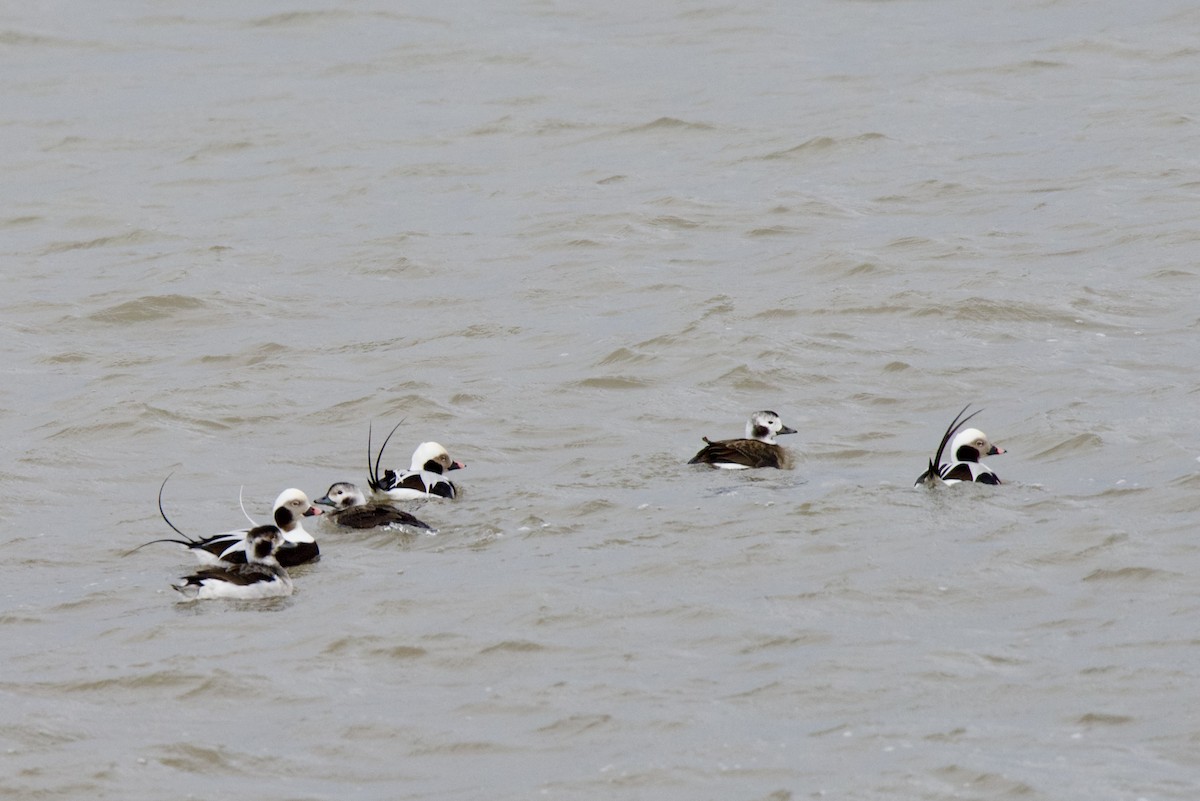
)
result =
(130, 238)
(613, 382)
(256, 355)
(1130, 574)
(984, 784)
(1072, 446)
(297, 18)
(1102, 719)
(777, 314)
(374, 646)
(576, 724)
(68, 357)
(146, 309)
(625, 356)
(749, 379)
(669, 124)
(772, 643)
(220, 683)
(514, 646)
(220, 149)
(674, 222)
(773, 230)
(816, 144)
(201, 759)
(12, 38)
(460, 748)
(820, 144)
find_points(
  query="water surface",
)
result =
(567, 241)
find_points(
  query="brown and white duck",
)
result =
(351, 509)
(261, 576)
(757, 449)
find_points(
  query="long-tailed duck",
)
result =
(967, 448)
(350, 509)
(261, 576)
(757, 449)
(229, 548)
(425, 477)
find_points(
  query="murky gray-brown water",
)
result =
(567, 240)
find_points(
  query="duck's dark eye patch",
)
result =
(967, 454)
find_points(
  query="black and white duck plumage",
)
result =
(229, 548)
(964, 460)
(425, 478)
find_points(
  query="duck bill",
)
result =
(787, 430)
(322, 501)
(996, 451)
(457, 466)
(312, 510)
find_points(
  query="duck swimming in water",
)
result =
(351, 509)
(229, 548)
(757, 449)
(425, 477)
(967, 449)
(261, 576)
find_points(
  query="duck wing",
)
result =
(744, 452)
(374, 515)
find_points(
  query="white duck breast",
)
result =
(260, 577)
(425, 477)
(967, 449)
(757, 449)
(229, 548)
(351, 509)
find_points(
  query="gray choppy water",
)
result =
(568, 241)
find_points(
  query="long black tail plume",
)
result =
(373, 469)
(372, 479)
(186, 539)
(952, 430)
